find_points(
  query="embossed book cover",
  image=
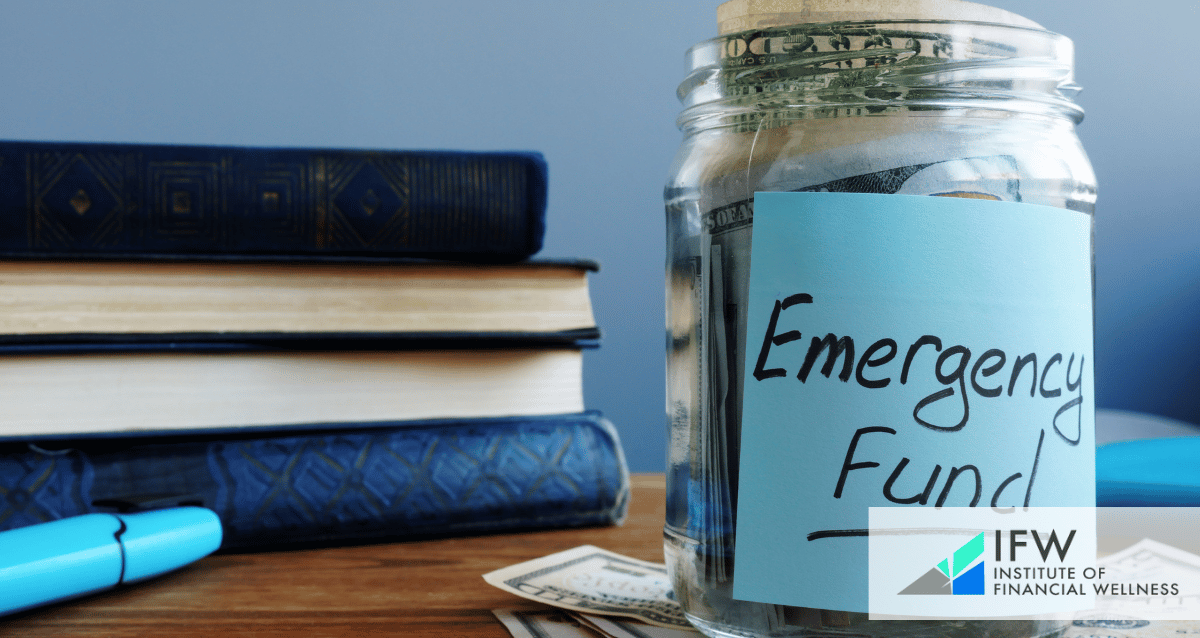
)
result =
(320, 486)
(135, 199)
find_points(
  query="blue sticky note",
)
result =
(905, 351)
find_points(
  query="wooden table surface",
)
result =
(423, 588)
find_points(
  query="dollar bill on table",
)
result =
(595, 581)
(1129, 628)
(616, 627)
(548, 623)
(1129, 574)
(559, 623)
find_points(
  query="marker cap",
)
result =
(159, 541)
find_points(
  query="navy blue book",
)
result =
(102, 200)
(315, 487)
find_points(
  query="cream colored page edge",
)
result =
(125, 393)
(33, 302)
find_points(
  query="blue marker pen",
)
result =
(74, 556)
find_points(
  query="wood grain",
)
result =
(424, 588)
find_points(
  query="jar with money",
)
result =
(879, 285)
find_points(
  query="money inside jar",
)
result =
(903, 319)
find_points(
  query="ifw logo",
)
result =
(961, 574)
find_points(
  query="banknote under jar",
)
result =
(906, 107)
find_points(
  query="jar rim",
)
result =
(896, 63)
(740, 15)
(873, 23)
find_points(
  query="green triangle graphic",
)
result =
(966, 554)
(945, 566)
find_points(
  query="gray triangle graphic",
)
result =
(934, 582)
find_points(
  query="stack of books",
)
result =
(321, 346)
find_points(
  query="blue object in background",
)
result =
(1148, 473)
(71, 557)
(1146, 461)
(592, 86)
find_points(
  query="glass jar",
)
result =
(898, 106)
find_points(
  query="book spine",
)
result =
(92, 200)
(323, 487)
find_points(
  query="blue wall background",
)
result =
(592, 86)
